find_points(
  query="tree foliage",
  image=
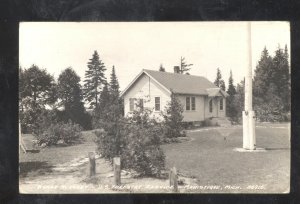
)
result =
(114, 85)
(136, 140)
(94, 80)
(70, 94)
(184, 67)
(35, 83)
(231, 109)
(271, 86)
(219, 82)
(173, 118)
(36, 90)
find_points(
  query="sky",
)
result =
(131, 47)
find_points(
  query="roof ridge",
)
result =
(177, 74)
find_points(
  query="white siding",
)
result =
(216, 107)
(147, 89)
(193, 115)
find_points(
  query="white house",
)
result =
(200, 98)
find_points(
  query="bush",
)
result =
(136, 140)
(67, 132)
(173, 119)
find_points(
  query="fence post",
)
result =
(117, 171)
(92, 164)
(173, 179)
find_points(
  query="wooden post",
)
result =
(117, 171)
(173, 179)
(92, 164)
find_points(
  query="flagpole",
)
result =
(249, 140)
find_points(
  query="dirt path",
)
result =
(71, 177)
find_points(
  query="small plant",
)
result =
(67, 133)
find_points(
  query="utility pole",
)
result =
(249, 140)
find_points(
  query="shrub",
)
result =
(173, 118)
(136, 140)
(67, 132)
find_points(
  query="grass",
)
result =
(206, 155)
(33, 164)
(211, 159)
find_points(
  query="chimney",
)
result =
(176, 69)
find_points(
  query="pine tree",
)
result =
(281, 76)
(239, 99)
(105, 98)
(219, 82)
(184, 67)
(114, 86)
(161, 68)
(94, 80)
(230, 108)
(271, 88)
(173, 118)
(262, 76)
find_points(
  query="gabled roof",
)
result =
(180, 83)
(212, 92)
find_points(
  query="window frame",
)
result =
(141, 103)
(155, 103)
(131, 104)
(210, 105)
(221, 104)
(193, 99)
(188, 103)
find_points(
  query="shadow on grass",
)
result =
(278, 148)
(35, 168)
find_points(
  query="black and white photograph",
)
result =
(154, 107)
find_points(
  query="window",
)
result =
(131, 104)
(141, 104)
(221, 104)
(190, 103)
(193, 103)
(210, 106)
(187, 103)
(157, 103)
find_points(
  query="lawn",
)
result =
(34, 164)
(206, 155)
(212, 159)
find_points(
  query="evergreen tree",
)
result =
(161, 68)
(184, 67)
(70, 93)
(281, 76)
(219, 82)
(239, 99)
(271, 88)
(262, 76)
(105, 98)
(114, 86)
(173, 118)
(230, 108)
(94, 80)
